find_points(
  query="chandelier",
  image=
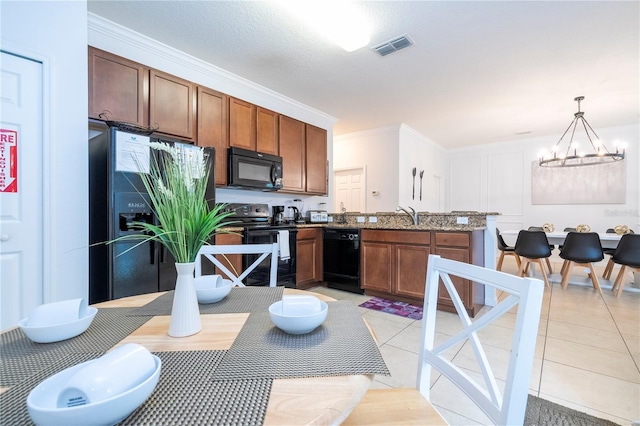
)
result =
(572, 156)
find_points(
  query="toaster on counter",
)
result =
(317, 216)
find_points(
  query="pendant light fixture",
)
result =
(572, 155)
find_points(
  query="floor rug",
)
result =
(392, 307)
(541, 412)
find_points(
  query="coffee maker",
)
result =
(277, 215)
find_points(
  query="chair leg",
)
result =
(499, 266)
(566, 274)
(549, 265)
(564, 266)
(619, 283)
(523, 267)
(517, 259)
(594, 278)
(608, 270)
(544, 273)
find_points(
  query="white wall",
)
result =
(108, 36)
(378, 150)
(422, 153)
(497, 177)
(55, 33)
(390, 154)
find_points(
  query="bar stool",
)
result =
(532, 246)
(505, 250)
(581, 248)
(627, 254)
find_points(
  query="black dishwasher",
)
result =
(341, 254)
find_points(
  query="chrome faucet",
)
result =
(413, 215)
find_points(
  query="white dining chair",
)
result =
(264, 250)
(413, 406)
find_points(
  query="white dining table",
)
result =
(607, 240)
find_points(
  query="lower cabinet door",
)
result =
(411, 270)
(462, 286)
(376, 263)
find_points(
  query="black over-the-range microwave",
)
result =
(254, 170)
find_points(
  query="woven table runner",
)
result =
(184, 395)
(342, 345)
(239, 300)
(20, 357)
(13, 402)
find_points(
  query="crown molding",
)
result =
(120, 40)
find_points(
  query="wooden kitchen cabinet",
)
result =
(212, 113)
(467, 247)
(395, 262)
(267, 131)
(172, 105)
(316, 160)
(308, 257)
(242, 124)
(119, 86)
(293, 153)
(231, 261)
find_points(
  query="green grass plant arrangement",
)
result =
(177, 184)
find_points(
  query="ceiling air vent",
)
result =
(393, 45)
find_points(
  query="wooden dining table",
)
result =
(291, 401)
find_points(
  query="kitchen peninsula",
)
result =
(394, 252)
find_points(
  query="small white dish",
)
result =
(306, 318)
(55, 332)
(42, 400)
(211, 288)
(113, 373)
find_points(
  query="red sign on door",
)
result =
(8, 160)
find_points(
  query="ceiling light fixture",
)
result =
(573, 156)
(338, 20)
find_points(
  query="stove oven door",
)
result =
(286, 268)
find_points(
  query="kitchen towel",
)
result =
(283, 244)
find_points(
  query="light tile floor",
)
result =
(587, 355)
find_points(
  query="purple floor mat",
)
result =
(392, 307)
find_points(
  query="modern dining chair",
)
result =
(627, 255)
(413, 406)
(551, 246)
(608, 270)
(581, 248)
(505, 250)
(264, 250)
(568, 229)
(532, 246)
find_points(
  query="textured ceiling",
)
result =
(479, 71)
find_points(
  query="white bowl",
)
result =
(56, 312)
(54, 332)
(42, 401)
(305, 319)
(211, 288)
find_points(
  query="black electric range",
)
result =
(259, 229)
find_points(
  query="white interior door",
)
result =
(21, 237)
(350, 190)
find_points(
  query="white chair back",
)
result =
(527, 294)
(264, 250)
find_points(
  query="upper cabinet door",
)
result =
(212, 128)
(316, 157)
(242, 124)
(172, 105)
(119, 86)
(292, 151)
(267, 131)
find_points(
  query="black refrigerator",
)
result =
(117, 198)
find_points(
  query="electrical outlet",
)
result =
(464, 220)
(373, 219)
(330, 219)
(360, 219)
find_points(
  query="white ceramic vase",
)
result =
(185, 313)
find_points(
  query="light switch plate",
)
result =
(360, 219)
(330, 219)
(464, 220)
